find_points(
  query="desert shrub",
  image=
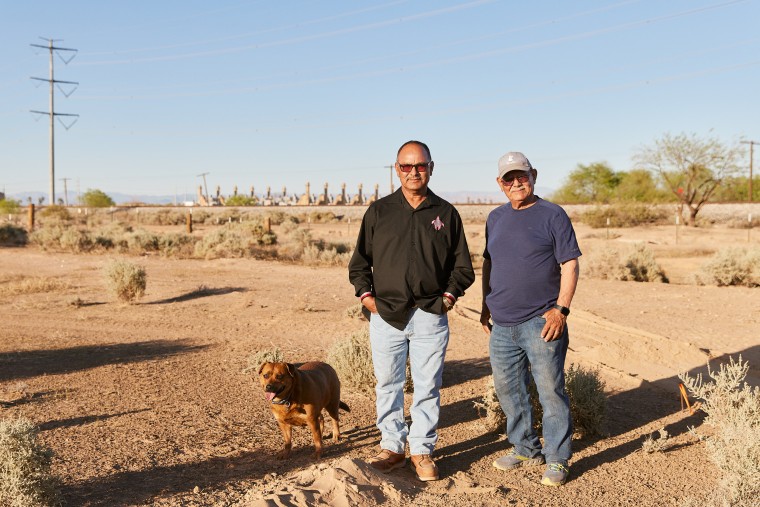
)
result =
(164, 217)
(491, 415)
(75, 240)
(352, 359)
(222, 243)
(588, 403)
(320, 217)
(651, 445)
(255, 360)
(178, 245)
(141, 241)
(25, 478)
(733, 410)
(731, 266)
(634, 264)
(295, 244)
(354, 311)
(55, 213)
(12, 235)
(47, 237)
(626, 214)
(321, 254)
(125, 280)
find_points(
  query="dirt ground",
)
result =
(149, 404)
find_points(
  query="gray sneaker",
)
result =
(555, 475)
(513, 460)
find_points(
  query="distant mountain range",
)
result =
(459, 197)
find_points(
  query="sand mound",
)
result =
(349, 482)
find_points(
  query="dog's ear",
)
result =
(291, 369)
(261, 368)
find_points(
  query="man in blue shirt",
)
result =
(530, 272)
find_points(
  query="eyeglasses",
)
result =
(405, 168)
(522, 178)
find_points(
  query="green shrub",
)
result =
(240, 200)
(628, 214)
(733, 410)
(732, 266)
(25, 478)
(9, 206)
(125, 280)
(12, 235)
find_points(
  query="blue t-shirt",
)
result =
(526, 248)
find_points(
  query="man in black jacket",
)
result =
(410, 265)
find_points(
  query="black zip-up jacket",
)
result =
(409, 257)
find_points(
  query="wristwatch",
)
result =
(564, 310)
(447, 303)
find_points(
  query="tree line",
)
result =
(685, 169)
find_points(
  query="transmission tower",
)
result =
(51, 112)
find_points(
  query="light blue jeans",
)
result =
(516, 353)
(424, 340)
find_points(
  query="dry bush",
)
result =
(651, 445)
(623, 215)
(320, 254)
(731, 266)
(588, 403)
(491, 415)
(47, 237)
(733, 409)
(75, 240)
(55, 213)
(352, 359)
(25, 478)
(235, 240)
(255, 360)
(33, 285)
(125, 280)
(12, 235)
(355, 311)
(637, 264)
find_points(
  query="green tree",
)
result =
(9, 206)
(588, 183)
(690, 167)
(640, 185)
(240, 200)
(96, 199)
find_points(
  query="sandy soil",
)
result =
(149, 404)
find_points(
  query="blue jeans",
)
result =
(516, 353)
(424, 340)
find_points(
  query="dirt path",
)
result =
(148, 404)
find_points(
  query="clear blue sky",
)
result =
(275, 94)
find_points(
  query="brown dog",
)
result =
(297, 397)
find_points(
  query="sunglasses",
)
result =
(405, 168)
(522, 178)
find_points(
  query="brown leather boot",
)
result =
(387, 461)
(425, 467)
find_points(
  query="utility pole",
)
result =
(51, 113)
(205, 187)
(749, 187)
(65, 192)
(391, 168)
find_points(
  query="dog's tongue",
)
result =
(270, 396)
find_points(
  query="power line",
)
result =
(749, 183)
(51, 112)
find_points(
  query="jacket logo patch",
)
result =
(437, 223)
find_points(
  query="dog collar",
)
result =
(281, 402)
